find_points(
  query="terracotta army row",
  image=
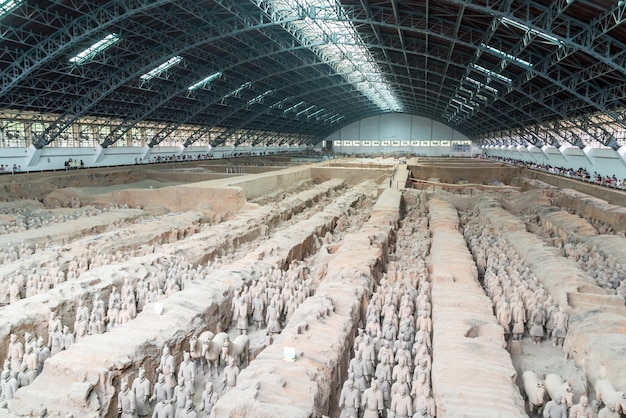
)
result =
(25, 360)
(390, 370)
(521, 303)
(173, 393)
(168, 278)
(24, 219)
(604, 268)
(271, 299)
(27, 284)
(388, 361)
(28, 219)
(123, 305)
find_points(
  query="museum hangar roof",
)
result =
(537, 70)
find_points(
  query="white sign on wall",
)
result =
(445, 143)
(461, 147)
(395, 143)
(435, 143)
(347, 143)
(376, 143)
(386, 143)
(404, 143)
(425, 143)
(366, 143)
(415, 143)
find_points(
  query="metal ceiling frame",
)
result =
(426, 52)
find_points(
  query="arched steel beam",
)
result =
(263, 56)
(216, 29)
(321, 90)
(274, 51)
(558, 54)
(46, 47)
(294, 85)
(517, 85)
(570, 79)
(331, 87)
(590, 38)
(475, 35)
(519, 47)
(223, 137)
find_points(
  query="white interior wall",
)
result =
(52, 158)
(421, 128)
(607, 162)
(604, 161)
(400, 133)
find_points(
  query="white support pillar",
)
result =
(33, 155)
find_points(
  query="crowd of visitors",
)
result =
(73, 164)
(6, 169)
(579, 174)
(179, 158)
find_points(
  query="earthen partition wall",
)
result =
(321, 330)
(597, 330)
(84, 379)
(472, 373)
(31, 315)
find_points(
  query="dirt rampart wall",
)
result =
(321, 330)
(597, 326)
(612, 196)
(467, 340)
(477, 173)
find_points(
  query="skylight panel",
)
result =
(492, 74)
(7, 6)
(317, 112)
(461, 104)
(491, 89)
(163, 67)
(506, 56)
(100, 46)
(239, 89)
(294, 107)
(335, 41)
(259, 97)
(481, 85)
(280, 102)
(204, 81)
(305, 110)
(530, 30)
